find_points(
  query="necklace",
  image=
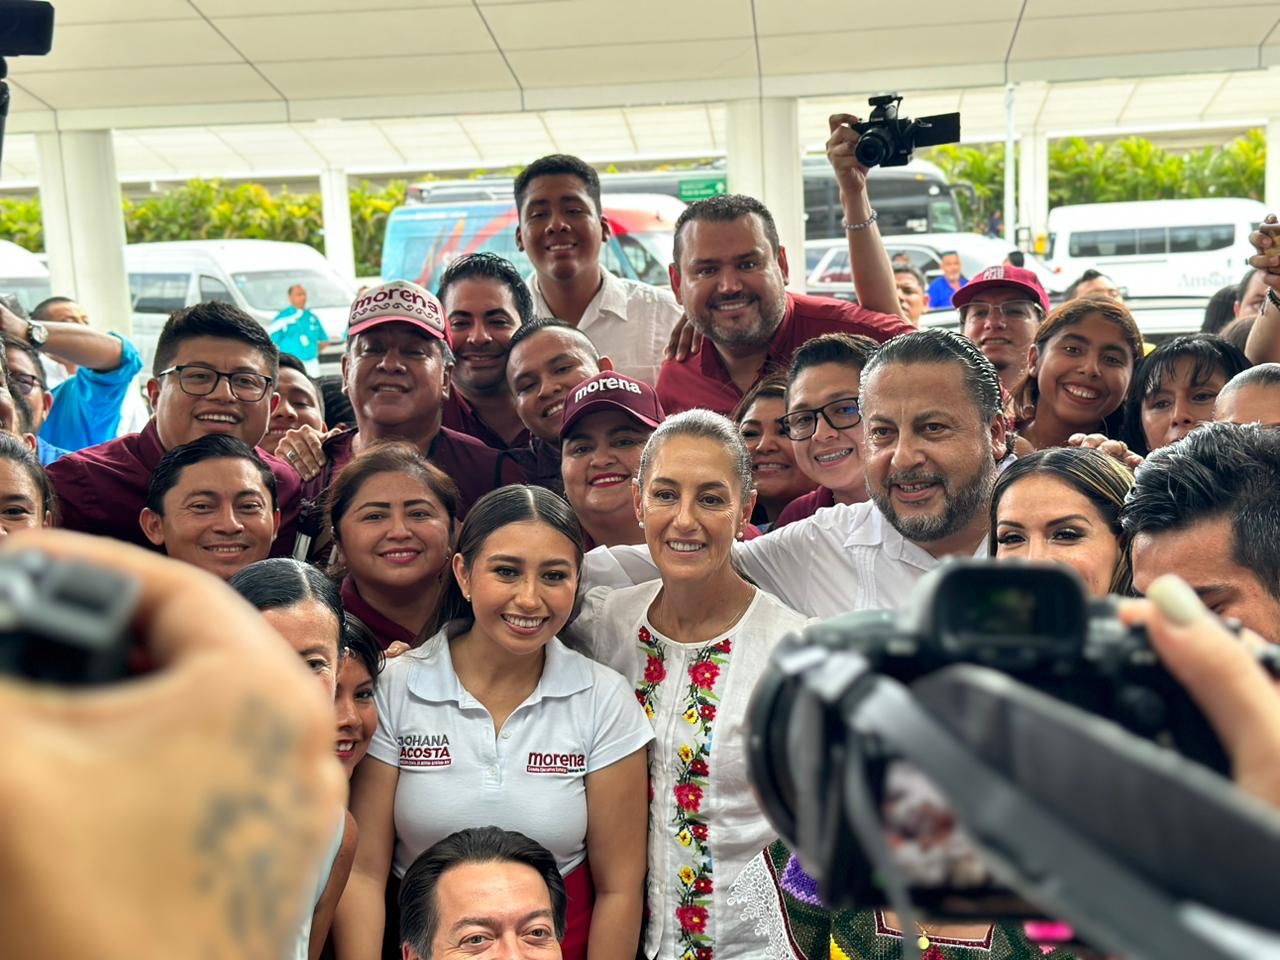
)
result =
(923, 942)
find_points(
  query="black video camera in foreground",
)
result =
(889, 140)
(1004, 747)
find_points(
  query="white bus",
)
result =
(1156, 248)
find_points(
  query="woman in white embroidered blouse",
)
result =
(693, 646)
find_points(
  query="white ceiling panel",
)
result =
(588, 23)
(712, 59)
(1045, 9)
(954, 44)
(684, 130)
(591, 133)
(777, 17)
(1131, 33)
(345, 36)
(146, 86)
(391, 76)
(128, 45)
(370, 8)
(68, 12)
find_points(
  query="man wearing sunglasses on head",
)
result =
(1000, 310)
(214, 372)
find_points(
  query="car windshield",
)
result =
(269, 289)
(649, 253)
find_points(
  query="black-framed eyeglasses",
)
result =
(25, 382)
(840, 415)
(197, 380)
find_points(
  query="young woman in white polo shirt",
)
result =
(495, 721)
(693, 647)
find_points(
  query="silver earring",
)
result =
(641, 522)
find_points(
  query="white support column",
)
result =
(1271, 190)
(764, 153)
(1033, 186)
(335, 201)
(84, 225)
(1010, 213)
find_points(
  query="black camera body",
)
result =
(888, 140)
(1008, 667)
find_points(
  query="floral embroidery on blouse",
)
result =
(690, 827)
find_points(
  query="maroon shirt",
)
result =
(704, 381)
(386, 631)
(805, 505)
(102, 489)
(475, 468)
(461, 417)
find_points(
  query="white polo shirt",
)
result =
(628, 321)
(455, 772)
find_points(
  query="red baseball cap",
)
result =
(994, 277)
(397, 302)
(612, 391)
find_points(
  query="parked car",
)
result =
(1156, 248)
(422, 239)
(832, 277)
(255, 275)
(23, 274)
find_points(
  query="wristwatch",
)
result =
(37, 333)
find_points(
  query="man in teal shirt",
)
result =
(298, 331)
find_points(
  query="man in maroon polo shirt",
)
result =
(730, 274)
(395, 373)
(485, 301)
(214, 372)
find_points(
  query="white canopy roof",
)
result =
(282, 87)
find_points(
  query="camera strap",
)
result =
(1037, 853)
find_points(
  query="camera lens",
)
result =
(873, 148)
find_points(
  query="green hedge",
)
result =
(1080, 171)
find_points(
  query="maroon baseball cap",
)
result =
(612, 391)
(397, 302)
(994, 277)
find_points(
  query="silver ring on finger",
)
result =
(291, 455)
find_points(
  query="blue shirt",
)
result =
(86, 406)
(299, 332)
(941, 291)
(46, 452)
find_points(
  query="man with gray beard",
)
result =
(730, 275)
(934, 433)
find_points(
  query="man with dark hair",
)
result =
(945, 287)
(80, 410)
(213, 373)
(935, 431)
(1251, 396)
(27, 379)
(493, 885)
(298, 331)
(1206, 509)
(485, 302)
(13, 417)
(212, 503)
(730, 275)
(1093, 284)
(562, 228)
(1251, 294)
(547, 359)
(299, 402)
(397, 377)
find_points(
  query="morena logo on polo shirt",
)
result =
(424, 750)
(606, 383)
(556, 762)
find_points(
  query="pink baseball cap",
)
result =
(611, 391)
(397, 302)
(1001, 276)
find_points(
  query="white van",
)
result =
(255, 275)
(1156, 248)
(23, 274)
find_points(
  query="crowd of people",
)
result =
(540, 563)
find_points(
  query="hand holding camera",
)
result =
(145, 816)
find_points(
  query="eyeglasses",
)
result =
(1014, 310)
(25, 382)
(200, 381)
(840, 414)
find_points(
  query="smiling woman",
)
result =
(777, 478)
(1079, 368)
(495, 722)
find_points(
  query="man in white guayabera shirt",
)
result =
(934, 434)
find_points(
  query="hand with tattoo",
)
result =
(181, 814)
